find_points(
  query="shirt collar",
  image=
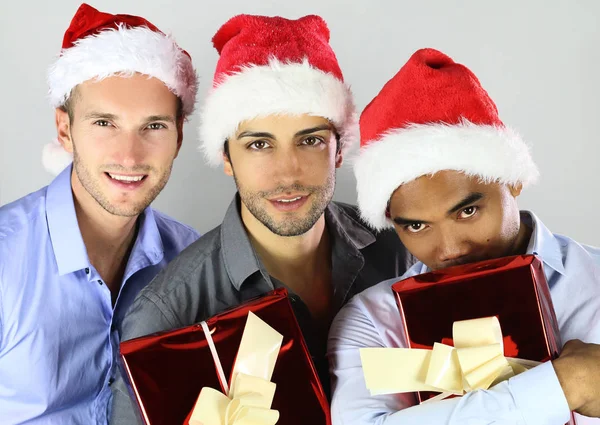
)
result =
(239, 256)
(69, 249)
(148, 248)
(343, 227)
(241, 261)
(543, 243)
(67, 243)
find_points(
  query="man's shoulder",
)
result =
(173, 230)
(574, 252)
(387, 236)
(199, 255)
(374, 294)
(349, 209)
(24, 214)
(386, 246)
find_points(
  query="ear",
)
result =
(227, 167)
(179, 135)
(339, 158)
(63, 129)
(515, 189)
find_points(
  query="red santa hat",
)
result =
(272, 65)
(99, 45)
(433, 115)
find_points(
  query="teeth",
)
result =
(126, 178)
(289, 200)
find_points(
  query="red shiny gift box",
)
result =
(514, 289)
(167, 370)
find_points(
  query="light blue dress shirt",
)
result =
(59, 333)
(371, 319)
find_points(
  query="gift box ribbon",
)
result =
(475, 362)
(247, 401)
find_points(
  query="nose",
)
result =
(452, 248)
(129, 150)
(288, 164)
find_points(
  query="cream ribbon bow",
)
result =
(475, 362)
(251, 393)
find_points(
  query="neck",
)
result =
(295, 260)
(108, 238)
(523, 238)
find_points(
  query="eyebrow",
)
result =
(271, 136)
(255, 134)
(113, 117)
(100, 115)
(469, 199)
(167, 118)
(401, 221)
(313, 130)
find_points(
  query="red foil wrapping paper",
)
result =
(167, 370)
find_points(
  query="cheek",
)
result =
(420, 247)
(317, 168)
(498, 227)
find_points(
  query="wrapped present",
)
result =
(169, 370)
(480, 323)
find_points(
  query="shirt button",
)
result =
(111, 381)
(99, 282)
(87, 270)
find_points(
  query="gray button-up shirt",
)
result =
(221, 270)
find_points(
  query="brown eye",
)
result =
(467, 212)
(415, 227)
(259, 145)
(312, 141)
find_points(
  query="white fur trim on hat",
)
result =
(495, 154)
(124, 51)
(279, 88)
(55, 158)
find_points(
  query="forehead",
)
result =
(438, 192)
(282, 125)
(137, 89)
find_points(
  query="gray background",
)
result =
(539, 60)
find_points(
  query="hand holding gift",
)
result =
(251, 393)
(578, 371)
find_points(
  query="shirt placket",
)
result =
(106, 299)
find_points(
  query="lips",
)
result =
(289, 203)
(126, 181)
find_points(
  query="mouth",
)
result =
(126, 181)
(288, 203)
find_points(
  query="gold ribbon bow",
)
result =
(475, 362)
(251, 393)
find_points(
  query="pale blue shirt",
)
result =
(371, 319)
(59, 334)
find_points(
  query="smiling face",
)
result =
(284, 168)
(451, 218)
(124, 133)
